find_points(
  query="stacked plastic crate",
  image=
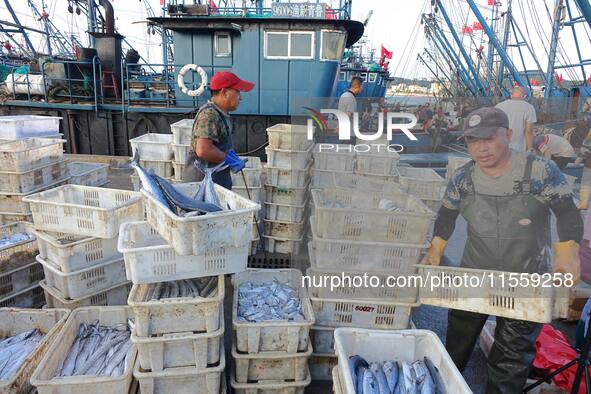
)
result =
(179, 335)
(358, 233)
(289, 159)
(156, 154)
(271, 356)
(28, 166)
(19, 272)
(77, 229)
(181, 145)
(250, 186)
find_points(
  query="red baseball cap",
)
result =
(227, 79)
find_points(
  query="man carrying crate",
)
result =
(506, 198)
(212, 131)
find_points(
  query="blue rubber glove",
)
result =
(233, 161)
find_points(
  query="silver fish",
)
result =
(14, 350)
(179, 200)
(378, 373)
(360, 374)
(424, 381)
(148, 183)
(370, 383)
(206, 191)
(354, 363)
(14, 239)
(267, 302)
(436, 376)
(409, 378)
(209, 287)
(391, 371)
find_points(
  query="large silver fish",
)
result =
(370, 383)
(206, 191)
(14, 350)
(409, 378)
(424, 380)
(179, 200)
(378, 373)
(199, 287)
(391, 371)
(436, 376)
(354, 363)
(148, 183)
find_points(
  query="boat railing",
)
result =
(267, 12)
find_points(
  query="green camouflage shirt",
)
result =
(547, 182)
(208, 124)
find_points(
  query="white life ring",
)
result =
(181, 80)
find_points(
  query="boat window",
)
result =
(342, 76)
(223, 44)
(363, 76)
(301, 45)
(332, 44)
(276, 44)
(372, 77)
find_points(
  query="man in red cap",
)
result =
(211, 142)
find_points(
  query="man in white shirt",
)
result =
(555, 148)
(348, 103)
(522, 116)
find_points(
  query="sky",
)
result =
(394, 23)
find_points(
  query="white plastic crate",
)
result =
(253, 191)
(24, 155)
(88, 174)
(182, 380)
(360, 218)
(180, 350)
(270, 387)
(340, 157)
(152, 146)
(116, 295)
(404, 345)
(162, 168)
(288, 213)
(180, 152)
(175, 315)
(337, 387)
(87, 281)
(17, 279)
(197, 234)
(18, 252)
(274, 366)
(84, 210)
(252, 172)
(44, 376)
(421, 182)
(321, 365)
(29, 126)
(25, 182)
(181, 131)
(13, 204)
(272, 336)
(322, 179)
(10, 218)
(283, 177)
(358, 313)
(495, 296)
(283, 245)
(289, 137)
(178, 169)
(282, 229)
(322, 339)
(149, 258)
(30, 297)
(364, 256)
(383, 163)
(288, 159)
(70, 252)
(16, 321)
(382, 290)
(453, 163)
(286, 195)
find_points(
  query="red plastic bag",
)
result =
(553, 351)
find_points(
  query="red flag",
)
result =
(534, 82)
(491, 2)
(466, 30)
(476, 26)
(386, 53)
(212, 7)
(330, 13)
(162, 2)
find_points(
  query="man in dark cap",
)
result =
(211, 141)
(506, 198)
